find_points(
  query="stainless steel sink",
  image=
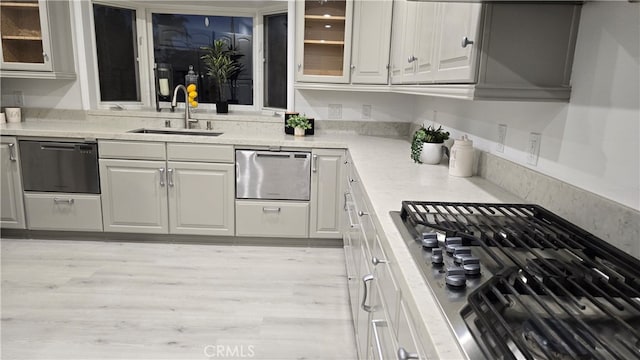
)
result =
(176, 132)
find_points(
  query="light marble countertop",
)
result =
(388, 174)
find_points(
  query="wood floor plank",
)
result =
(109, 300)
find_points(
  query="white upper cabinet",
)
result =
(371, 39)
(323, 41)
(457, 32)
(489, 51)
(36, 39)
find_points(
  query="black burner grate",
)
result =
(582, 303)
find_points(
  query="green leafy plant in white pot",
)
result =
(299, 123)
(427, 145)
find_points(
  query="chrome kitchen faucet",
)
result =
(187, 114)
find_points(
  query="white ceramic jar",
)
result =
(461, 160)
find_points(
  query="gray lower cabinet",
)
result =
(180, 195)
(326, 193)
(64, 212)
(201, 198)
(381, 318)
(12, 205)
(272, 218)
(134, 196)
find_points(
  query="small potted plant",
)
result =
(427, 145)
(220, 63)
(299, 123)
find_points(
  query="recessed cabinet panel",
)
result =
(66, 212)
(371, 38)
(458, 39)
(134, 196)
(201, 198)
(272, 218)
(326, 194)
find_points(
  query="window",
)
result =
(275, 67)
(178, 40)
(115, 31)
(136, 43)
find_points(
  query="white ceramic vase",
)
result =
(431, 153)
(298, 131)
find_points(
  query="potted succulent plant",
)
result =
(299, 123)
(427, 145)
(221, 65)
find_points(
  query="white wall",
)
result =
(384, 107)
(594, 141)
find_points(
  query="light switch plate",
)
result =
(335, 112)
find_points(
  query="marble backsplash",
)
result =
(617, 224)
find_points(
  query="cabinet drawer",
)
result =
(386, 283)
(272, 218)
(200, 152)
(407, 337)
(133, 150)
(73, 212)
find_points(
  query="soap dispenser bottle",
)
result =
(461, 159)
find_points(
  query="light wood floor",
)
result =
(115, 300)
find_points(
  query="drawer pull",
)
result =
(63, 201)
(405, 355)
(271, 209)
(365, 280)
(314, 163)
(362, 213)
(12, 152)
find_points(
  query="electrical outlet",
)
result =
(502, 135)
(18, 99)
(534, 148)
(335, 112)
(366, 112)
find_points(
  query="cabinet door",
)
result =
(366, 304)
(11, 200)
(398, 29)
(408, 42)
(326, 193)
(25, 35)
(455, 61)
(323, 45)
(371, 37)
(201, 198)
(424, 41)
(134, 196)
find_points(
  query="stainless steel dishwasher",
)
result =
(59, 166)
(273, 175)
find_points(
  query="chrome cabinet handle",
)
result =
(314, 163)
(271, 209)
(375, 324)
(170, 177)
(69, 201)
(405, 355)
(411, 59)
(353, 67)
(365, 280)
(375, 261)
(12, 152)
(351, 180)
(45, 56)
(362, 213)
(161, 170)
(345, 200)
(466, 41)
(299, 67)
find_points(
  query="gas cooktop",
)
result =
(516, 281)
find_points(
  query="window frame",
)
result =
(261, 14)
(143, 80)
(203, 11)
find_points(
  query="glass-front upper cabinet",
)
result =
(24, 35)
(323, 40)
